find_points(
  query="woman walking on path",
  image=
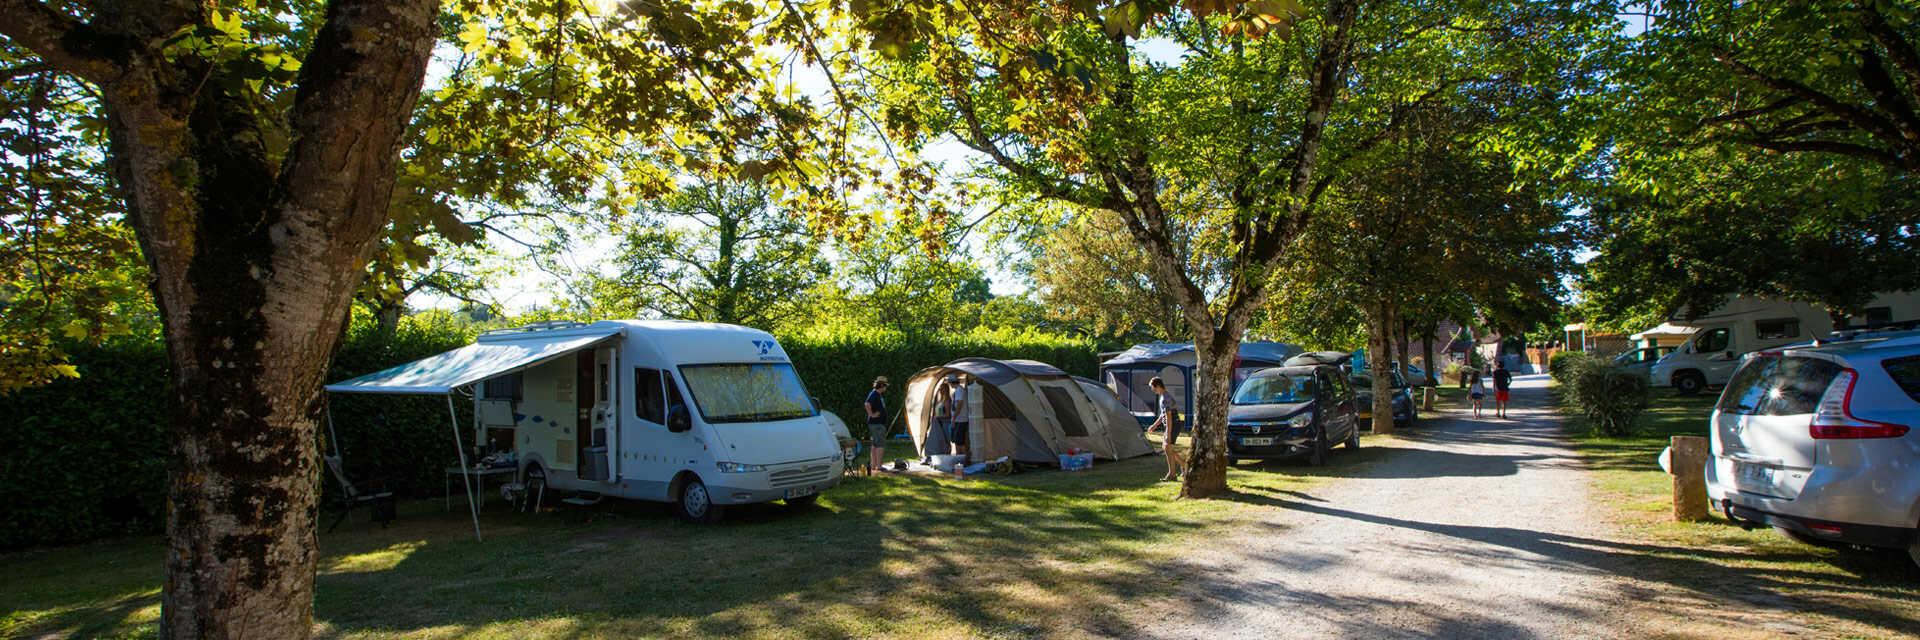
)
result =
(1478, 392)
(1169, 422)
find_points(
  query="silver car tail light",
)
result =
(1834, 420)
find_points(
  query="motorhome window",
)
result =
(747, 392)
(674, 399)
(1776, 329)
(648, 403)
(1713, 340)
(1876, 315)
(505, 387)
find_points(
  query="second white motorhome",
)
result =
(1745, 324)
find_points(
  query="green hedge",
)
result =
(1609, 396)
(86, 458)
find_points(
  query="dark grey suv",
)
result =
(1292, 411)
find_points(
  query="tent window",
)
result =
(505, 387)
(649, 403)
(1064, 409)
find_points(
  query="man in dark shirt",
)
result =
(877, 421)
(1502, 383)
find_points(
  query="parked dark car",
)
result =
(1292, 411)
(1404, 412)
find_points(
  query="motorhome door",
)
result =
(604, 413)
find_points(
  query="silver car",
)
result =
(1816, 440)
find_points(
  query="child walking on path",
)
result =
(1478, 392)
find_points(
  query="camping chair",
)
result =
(380, 505)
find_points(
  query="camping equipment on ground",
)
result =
(379, 505)
(1175, 364)
(1029, 412)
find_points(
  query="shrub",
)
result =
(1561, 364)
(1610, 397)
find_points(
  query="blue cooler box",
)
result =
(1076, 462)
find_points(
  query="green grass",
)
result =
(1852, 593)
(1039, 553)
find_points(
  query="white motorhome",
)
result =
(1745, 324)
(701, 415)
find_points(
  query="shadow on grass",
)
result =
(1024, 555)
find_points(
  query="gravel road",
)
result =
(1471, 529)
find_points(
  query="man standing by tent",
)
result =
(877, 422)
(1502, 389)
(1169, 423)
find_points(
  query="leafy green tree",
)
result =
(1087, 270)
(1227, 147)
(254, 148)
(716, 251)
(1828, 231)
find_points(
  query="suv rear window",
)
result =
(1906, 373)
(1775, 386)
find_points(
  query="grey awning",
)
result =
(473, 363)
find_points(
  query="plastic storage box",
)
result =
(1076, 461)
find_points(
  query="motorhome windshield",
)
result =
(747, 392)
(1275, 389)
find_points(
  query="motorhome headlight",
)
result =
(1302, 420)
(735, 467)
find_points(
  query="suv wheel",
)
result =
(1688, 383)
(1913, 550)
(1317, 449)
(1353, 439)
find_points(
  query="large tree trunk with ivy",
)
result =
(255, 255)
(1380, 321)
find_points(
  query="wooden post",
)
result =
(1688, 464)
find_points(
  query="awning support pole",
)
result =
(331, 434)
(466, 472)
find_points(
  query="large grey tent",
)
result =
(1028, 411)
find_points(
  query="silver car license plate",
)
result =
(1753, 474)
(1256, 442)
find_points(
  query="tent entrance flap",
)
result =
(473, 363)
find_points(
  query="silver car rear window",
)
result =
(1775, 386)
(1906, 373)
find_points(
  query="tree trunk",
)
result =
(386, 318)
(1433, 368)
(254, 260)
(1213, 390)
(1400, 354)
(1379, 348)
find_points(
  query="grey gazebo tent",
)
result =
(1174, 363)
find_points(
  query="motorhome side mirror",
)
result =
(677, 419)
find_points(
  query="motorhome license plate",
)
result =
(1256, 442)
(801, 492)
